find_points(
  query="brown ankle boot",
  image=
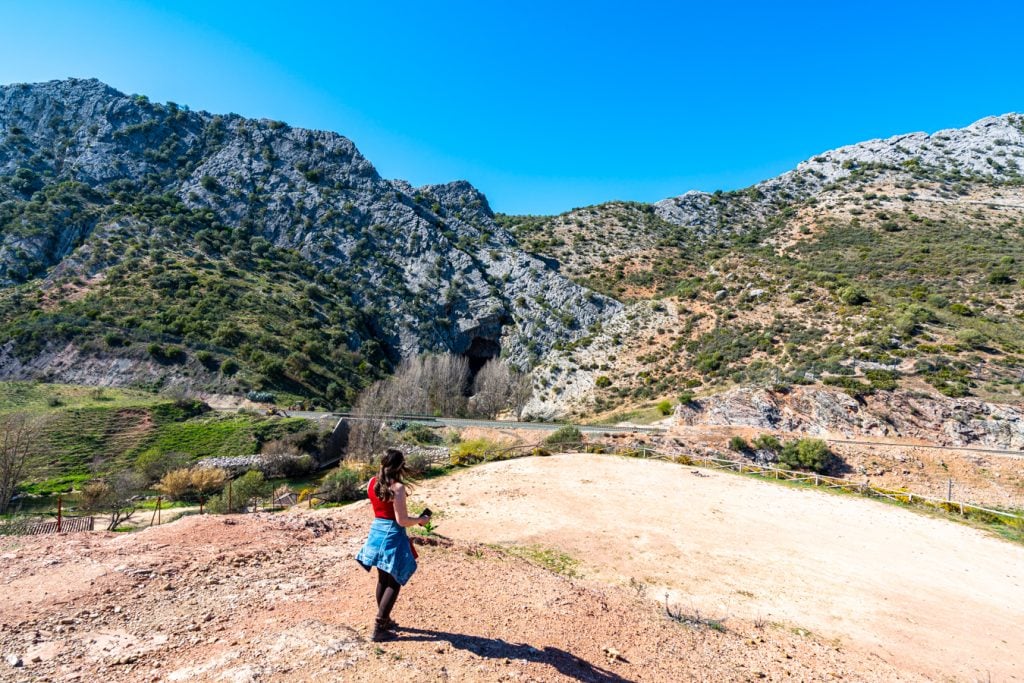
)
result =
(381, 632)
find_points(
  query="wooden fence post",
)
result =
(60, 513)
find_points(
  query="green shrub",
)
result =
(567, 435)
(208, 360)
(686, 397)
(602, 382)
(1000, 276)
(852, 295)
(882, 380)
(422, 434)
(240, 493)
(665, 407)
(738, 444)
(472, 451)
(971, 338)
(807, 454)
(961, 309)
(767, 442)
(342, 485)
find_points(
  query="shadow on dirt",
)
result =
(567, 664)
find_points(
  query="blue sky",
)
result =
(546, 106)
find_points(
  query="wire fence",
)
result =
(30, 524)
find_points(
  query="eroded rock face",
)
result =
(984, 149)
(430, 262)
(827, 412)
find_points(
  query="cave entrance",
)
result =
(479, 352)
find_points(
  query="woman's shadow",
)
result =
(567, 664)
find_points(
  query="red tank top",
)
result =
(384, 509)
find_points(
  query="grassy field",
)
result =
(38, 397)
(86, 432)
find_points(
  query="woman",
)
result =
(388, 547)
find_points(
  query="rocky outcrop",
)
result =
(822, 411)
(990, 149)
(430, 264)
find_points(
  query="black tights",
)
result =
(387, 593)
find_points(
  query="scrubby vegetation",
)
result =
(845, 292)
(564, 436)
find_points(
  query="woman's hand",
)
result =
(423, 520)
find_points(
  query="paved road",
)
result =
(609, 429)
(490, 424)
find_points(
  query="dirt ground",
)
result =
(925, 595)
(279, 598)
(766, 583)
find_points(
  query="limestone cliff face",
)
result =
(429, 264)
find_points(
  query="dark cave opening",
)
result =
(479, 352)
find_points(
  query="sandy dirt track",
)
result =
(926, 595)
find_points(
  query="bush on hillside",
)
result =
(767, 442)
(176, 484)
(417, 464)
(738, 444)
(240, 494)
(807, 454)
(472, 451)
(342, 485)
(563, 436)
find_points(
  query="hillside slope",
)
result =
(890, 263)
(127, 227)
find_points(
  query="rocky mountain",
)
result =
(987, 150)
(144, 243)
(890, 263)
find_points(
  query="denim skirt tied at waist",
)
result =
(388, 549)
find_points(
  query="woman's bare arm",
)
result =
(402, 512)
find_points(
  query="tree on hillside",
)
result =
(366, 435)
(492, 389)
(175, 484)
(18, 433)
(206, 481)
(520, 391)
(117, 496)
(445, 379)
(242, 493)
